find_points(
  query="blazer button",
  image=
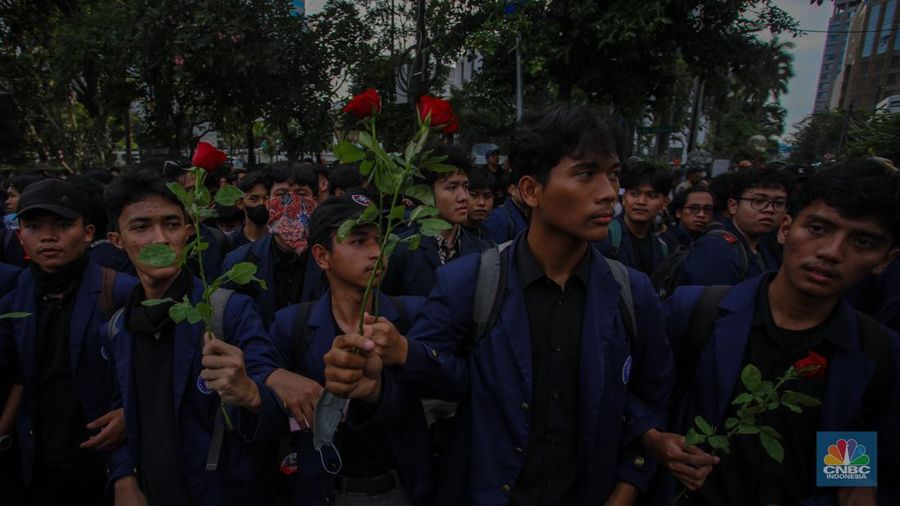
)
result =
(434, 353)
(519, 450)
(506, 488)
(524, 406)
(639, 461)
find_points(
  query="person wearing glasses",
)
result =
(757, 203)
(693, 211)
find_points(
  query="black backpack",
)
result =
(666, 278)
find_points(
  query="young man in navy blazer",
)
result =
(556, 399)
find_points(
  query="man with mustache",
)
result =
(284, 263)
(557, 397)
(757, 202)
(693, 211)
(481, 201)
(843, 226)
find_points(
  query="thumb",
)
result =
(369, 319)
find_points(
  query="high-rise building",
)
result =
(871, 66)
(833, 55)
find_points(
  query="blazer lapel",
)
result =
(513, 323)
(849, 373)
(729, 339)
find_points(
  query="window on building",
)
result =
(871, 28)
(884, 38)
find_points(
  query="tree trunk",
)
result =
(127, 136)
(251, 146)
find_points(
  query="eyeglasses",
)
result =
(760, 203)
(697, 209)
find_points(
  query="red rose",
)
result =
(365, 104)
(440, 110)
(451, 127)
(811, 366)
(207, 157)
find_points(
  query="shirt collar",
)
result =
(530, 271)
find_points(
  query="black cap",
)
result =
(334, 211)
(55, 196)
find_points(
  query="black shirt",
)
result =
(643, 252)
(748, 476)
(161, 473)
(58, 413)
(290, 270)
(555, 315)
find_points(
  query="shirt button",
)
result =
(557, 348)
(506, 488)
(434, 353)
(554, 394)
(519, 450)
(639, 461)
(524, 406)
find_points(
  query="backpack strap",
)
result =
(106, 302)
(113, 324)
(876, 344)
(615, 236)
(493, 270)
(699, 330)
(626, 298)
(301, 334)
(219, 301)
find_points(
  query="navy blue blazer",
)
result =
(715, 261)
(504, 223)
(92, 374)
(624, 386)
(720, 361)
(413, 272)
(245, 471)
(9, 274)
(314, 282)
(400, 410)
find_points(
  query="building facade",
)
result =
(835, 47)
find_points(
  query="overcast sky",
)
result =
(807, 58)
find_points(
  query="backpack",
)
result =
(875, 342)
(219, 302)
(667, 277)
(615, 237)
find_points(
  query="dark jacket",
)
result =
(504, 223)
(400, 412)
(493, 384)
(627, 251)
(714, 260)
(92, 374)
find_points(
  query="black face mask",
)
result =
(259, 215)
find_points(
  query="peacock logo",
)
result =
(846, 452)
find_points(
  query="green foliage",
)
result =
(157, 255)
(15, 315)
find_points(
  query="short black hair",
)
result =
(680, 199)
(135, 186)
(19, 183)
(575, 131)
(252, 179)
(228, 214)
(455, 156)
(95, 213)
(857, 189)
(721, 187)
(344, 177)
(303, 175)
(480, 180)
(658, 178)
(759, 178)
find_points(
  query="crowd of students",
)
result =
(542, 351)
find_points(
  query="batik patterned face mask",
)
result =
(289, 220)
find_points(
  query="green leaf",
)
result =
(718, 442)
(15, 315)
(157, 255)
(772, 446)
(731, 423)
(203, 313)
(348, 153)
(242, 273)
(747, 419)
(772, 405)
(442, 168)
(345, 229)
(203, 197)
(397, 212)
(703, 425)
(181, 311)
(693, 438)
(748, 429)
(262, 283)
(751, 377)
(205, 213)
(157, 302)
(391, 244)
(422, 212)
(228, 195)
(187, 199)
(742, 398)
(421, 192)
(433, 226)
(770, 431)
(365, 167)
(368, 141)
(413, 242)
(370, 214)
(800, 399)
(793, 407)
